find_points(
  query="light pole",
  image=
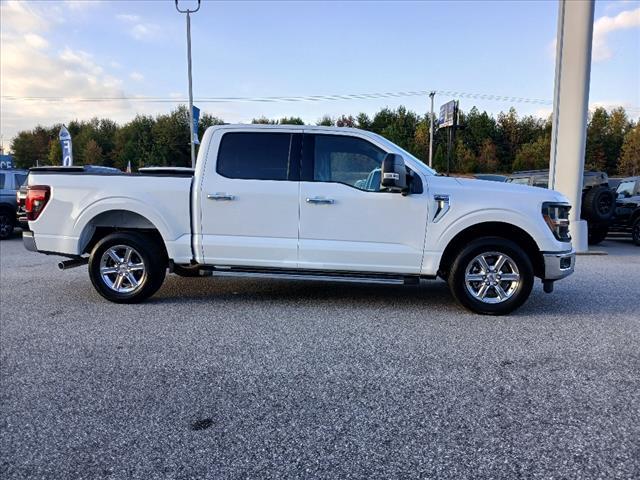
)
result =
(431, 122)
(189, 12)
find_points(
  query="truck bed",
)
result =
(81, 201)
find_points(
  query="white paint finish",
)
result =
(258, 227)
(570, 109)
(366, 231)
(361, 231)
(478, 201)
(77, 199)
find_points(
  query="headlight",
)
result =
(557, 217)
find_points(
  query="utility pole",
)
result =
(191, 126)
(431, 122)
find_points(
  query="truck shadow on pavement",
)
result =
(429, 296)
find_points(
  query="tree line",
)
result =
(483, 143)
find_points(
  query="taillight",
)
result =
(37, 198)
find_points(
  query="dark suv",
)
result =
(628, 208)
(10, 182)
(598, 199)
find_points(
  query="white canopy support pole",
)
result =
(571, 109)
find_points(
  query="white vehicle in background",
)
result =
(302, 202)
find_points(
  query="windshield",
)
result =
(406, 154)
(625, 189)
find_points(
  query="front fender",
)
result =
(440, 234)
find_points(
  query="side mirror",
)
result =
(394, 174)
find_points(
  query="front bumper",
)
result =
(558, 265)
(29, 241)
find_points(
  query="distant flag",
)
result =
(129, 166)
(67, 148)
(196, 120)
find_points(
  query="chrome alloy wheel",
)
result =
(122, 269)
(492, 277)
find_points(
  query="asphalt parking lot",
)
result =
(220, 378)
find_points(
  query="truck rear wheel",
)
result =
(491, 276)
(127, 267)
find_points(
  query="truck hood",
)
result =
(510, 190)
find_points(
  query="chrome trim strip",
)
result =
(443, 202)
(552, 270)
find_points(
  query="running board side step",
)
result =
(326, 276)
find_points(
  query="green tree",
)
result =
(171, 142)
(400, 126)
(488, 157)
(55, 153)
(629, 164)
(619, 125)
(534, 155)
(363, 121)
(477, 128)
(595, 150)
(508, 138)
(264, 121)
(32, 147)
(291, 121)
(326, 121)
(134, 143)
(466, 161)
(421, 141)
(93, 153)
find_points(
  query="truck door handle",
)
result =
(220, 196)
(321, 200)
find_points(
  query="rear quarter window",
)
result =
(255, 156)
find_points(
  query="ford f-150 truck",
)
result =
(302, 202)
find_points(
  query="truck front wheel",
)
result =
(491, 276)
(127, 267)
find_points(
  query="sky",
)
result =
(128, 52)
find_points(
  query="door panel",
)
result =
(346, 223)
(247, 220)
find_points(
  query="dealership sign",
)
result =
(447, 114)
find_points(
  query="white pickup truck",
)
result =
(302, 202)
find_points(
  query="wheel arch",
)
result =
(116, 220)
(492, 229)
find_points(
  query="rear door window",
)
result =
(1, 181)
(259, 156)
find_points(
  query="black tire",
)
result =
(597, 235)
(635, 231)
(598, 205)
(7, 223)
(517, 292)
(146, 251)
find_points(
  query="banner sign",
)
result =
(196, 120)
(67, 149)
(447, 114)
(6, 161)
